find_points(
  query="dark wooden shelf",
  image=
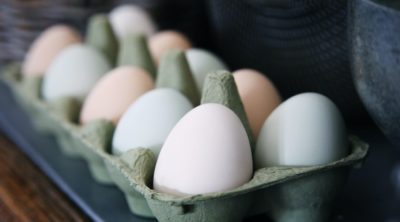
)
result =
(26, 194)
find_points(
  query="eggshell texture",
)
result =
(259, 97)
(130, 19)
(201, 63)
(207, 151)
(305, 130)
(148, 121)
(163, 41)
(74, 72)
(114, 93)
(46, 47)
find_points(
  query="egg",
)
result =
(46, 47)
(130, 19)
(148, 121)
(74, 72)
(201, 63)
(207, 151)
(305, 130)
(259, 96)
(163, 41)
(114, 93)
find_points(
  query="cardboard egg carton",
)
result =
(285, 193)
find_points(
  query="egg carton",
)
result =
(285, 193)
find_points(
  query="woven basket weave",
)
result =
(22, 21)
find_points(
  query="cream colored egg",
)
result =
(207, 151)
(259, 96)
(46, 47)
(130, 19)
(305, 130)
(163, 41)
(114, 93)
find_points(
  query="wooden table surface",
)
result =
(26, 194)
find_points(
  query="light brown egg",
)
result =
(114, 93)
(259, 96)
(166, 40)
(46, 47)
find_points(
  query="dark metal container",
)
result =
(374, 30)
(301, 45)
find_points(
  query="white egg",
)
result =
(74, 72)
(130, 19)
(201, 63)
(305, 130)
(148, 121)
(207, 151)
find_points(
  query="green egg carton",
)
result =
(24, 93)
(285, 193)
(58, 119)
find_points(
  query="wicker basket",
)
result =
(22, 21)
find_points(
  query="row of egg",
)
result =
(208, 149)
(200, 149)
